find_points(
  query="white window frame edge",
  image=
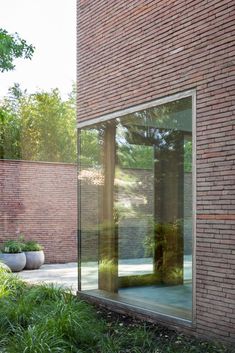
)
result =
(194, 203)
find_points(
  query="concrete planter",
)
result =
(16, 262)
(34, 259)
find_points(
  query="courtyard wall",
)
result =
(39, 200)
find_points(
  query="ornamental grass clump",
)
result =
(10, 285)
(45, 318)
(50, 319)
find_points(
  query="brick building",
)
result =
(156, 84)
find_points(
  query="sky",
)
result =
(50, 25)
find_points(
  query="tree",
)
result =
(9, 134)
(39, 126)
(48, 127)
(12, 47)
(10, 124)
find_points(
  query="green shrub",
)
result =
(12, 247)
(32, 245)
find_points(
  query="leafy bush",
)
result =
(12, 247)
(32, 245)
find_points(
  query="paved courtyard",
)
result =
(66, 275)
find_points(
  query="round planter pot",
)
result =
(16, 262)
(34, 259)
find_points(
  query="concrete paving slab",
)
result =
(65, 275)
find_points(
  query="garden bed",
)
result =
(45, 318)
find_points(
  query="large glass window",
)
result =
(135, 210)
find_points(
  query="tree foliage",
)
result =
(39, 126)
(12, 47)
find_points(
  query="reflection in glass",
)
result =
(136, 209)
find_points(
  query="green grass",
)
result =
(48, 319)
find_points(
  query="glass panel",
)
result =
(90, 180)
(136, 208)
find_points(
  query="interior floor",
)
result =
(171, 299)
(175, 301)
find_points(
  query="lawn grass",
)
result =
(45, 318)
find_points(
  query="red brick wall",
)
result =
(40, 200)
(131, 52)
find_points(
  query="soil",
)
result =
(161, 333)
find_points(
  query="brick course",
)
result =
(131, 52)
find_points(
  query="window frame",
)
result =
(116, 115)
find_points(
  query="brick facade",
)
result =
(39, 200)
(131, 52)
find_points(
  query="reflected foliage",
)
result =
(165, 244)
(134, 156)
(188, 156)
(139, 134)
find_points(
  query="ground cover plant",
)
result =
(45, 318)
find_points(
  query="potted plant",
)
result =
(34, 255)
(12, 255)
